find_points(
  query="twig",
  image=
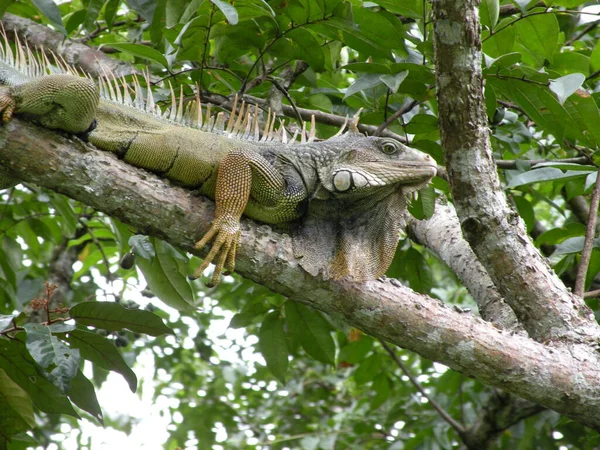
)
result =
(512, 164)
(394, 116)
(444, 415)
(588, 245)
(592, 294)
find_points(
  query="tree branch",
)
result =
(564, 377)
(542, 303)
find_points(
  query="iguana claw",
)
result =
(7, 105)
(226, 233)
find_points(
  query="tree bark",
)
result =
(564, 377)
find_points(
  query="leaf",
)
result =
(113, 317)
(526, 212)
(544, 174)
(368, 369)
(538, 36)
(312, 330)
(357, 350)
(489, 11)
(367, 81)
(566, 166)
(563, 87)
(22, 369)
(144, 8)
(16, 408)
(406, 8)
(52, 354)
(49, 9)
(67, 214)
(101, 352)
(141, 51)
(273, 346)
(166, 276)
(393, 81)
(82, 393)
(5, 321)
(228, 11)
(143, 246)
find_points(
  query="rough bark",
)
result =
(542, 303)
(442, 234)
(564, 378)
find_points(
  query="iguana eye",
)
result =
(389, 147)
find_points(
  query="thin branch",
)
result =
(441, 411)
(588, 245)
(592, 294)
(582, 33)
(512, 164)
(394, 116)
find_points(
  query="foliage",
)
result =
(295, 379)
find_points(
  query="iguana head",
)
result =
(365, 164)
(358, 204)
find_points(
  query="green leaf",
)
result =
(5, 321)
(422, 124)
(141, 51)
(16, 409)
(228, 10)
(368, 369)
(273, 345)
(407, 8)
(307, 48)
(557, 235)
(526, 212)
(67, 214)
(489, 11)
(82, 393)
(144, 8)
(538, 36)
(544, 174)
(365, 82)
(53, 355)
(142, 246)
(563, 87)
(113, 317)
(367, 67)
(49, 9)
(166, 275)
(22, 369)
(357, 350)
(101, 352)
(312, 330)
(393, 81)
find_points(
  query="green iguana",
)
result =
(342, 198)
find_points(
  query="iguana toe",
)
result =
(226, 234)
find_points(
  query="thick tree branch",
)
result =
(564, 377)
(540, 300)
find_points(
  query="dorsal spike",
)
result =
(266, 129)
(342, 128)
(198, 107)
(303, 133)
(220, 122)
(173, 108)
(138, 101)
(354, 122)
(247, 123)
(240, 117)
(294, 137)
(150, 104)
(270, 134)
(126, 95)
(255, 125)
(232, 115)
(312, 134)
(284, 135)
(207, 117)
(117, 88)
(179, 117)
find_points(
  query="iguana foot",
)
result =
(226, 233)
(8, 105)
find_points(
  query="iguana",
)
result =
(342, 198)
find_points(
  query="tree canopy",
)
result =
(484, 333)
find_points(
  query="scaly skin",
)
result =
(343, 198)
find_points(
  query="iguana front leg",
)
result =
(247, 183)
(232, 192)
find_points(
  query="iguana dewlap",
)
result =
(343, 198)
